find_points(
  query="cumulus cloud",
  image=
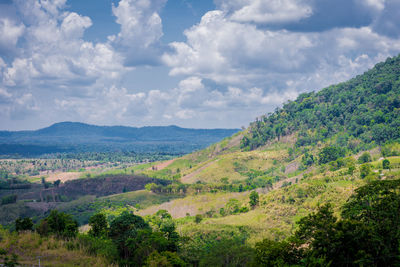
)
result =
(235, 53)
(266, 11)
(10, 32)
(238, 62)
(141, 30)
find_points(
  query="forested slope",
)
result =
(356, 113)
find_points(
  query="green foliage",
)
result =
(386, 164)
(7, 260)
(59, 224)
(125, 227)
(98, 224)
(365, 170)
(136, 241)
(165, 259)
(366, 108)
(254, 199)
(367, 235)
(23, 224)
(198, 218)
(307, 159)
(233, 206)
(98, 246)
(275, 253)
(8, 199)
(364, 158)
(330, 153)
(216, 248)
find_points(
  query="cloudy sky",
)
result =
(192, 63)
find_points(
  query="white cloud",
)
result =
(237, 63)
(376, 4)
(141, 30)
(10, 32)
(240, 54)
(266, 11)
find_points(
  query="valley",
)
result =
(240, 201)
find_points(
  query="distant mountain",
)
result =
(80, 137)
(355, 114)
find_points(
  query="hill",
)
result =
(353, 114)
(314, 150)
(80, 137)
(250, 194)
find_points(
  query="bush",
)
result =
(330, 153)
(9, 199)
(24, 224)
(198, 218)
(364, 158)
(98, 224)
(60, 224)
(365, 170)
(254, 199)
(386, 164)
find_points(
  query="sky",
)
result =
(191, 63)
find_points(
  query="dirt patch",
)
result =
(181, 207)
(189, 177)
(292, 167)
(176, 211)
(162, 165)
(63, 176)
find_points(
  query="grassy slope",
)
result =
(280, 208)
(30, 246)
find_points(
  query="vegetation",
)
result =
(313, 193)
(356, 114)
(365, 235)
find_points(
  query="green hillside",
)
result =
(354, 114)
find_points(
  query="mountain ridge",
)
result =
(79, 135)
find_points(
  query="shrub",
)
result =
(365, 170)
(24, 224)
(9, 199)
(386, 164)
(364, 158)
(198, 218)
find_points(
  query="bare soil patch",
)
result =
(189, 177)
(162, 165)
(63, 176)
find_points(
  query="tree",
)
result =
(57, 183)
(126, 227)
(24, 224)
(364, 158)
(330, 153)
(61, 224)
(386, 164)
(164, 259)
(198, 218)
(232, 207)
(98, 224)
(8, 199)
(365, 170)
(377, 207)
(254, 199)
(275, 253)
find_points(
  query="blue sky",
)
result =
(192, 63)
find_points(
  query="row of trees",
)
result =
(179, 188)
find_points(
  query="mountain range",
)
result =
(76, 136)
